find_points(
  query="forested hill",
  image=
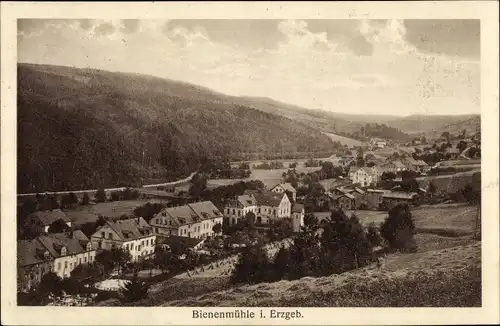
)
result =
(81, 128)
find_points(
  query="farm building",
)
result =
(393, 198)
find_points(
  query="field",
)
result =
(458, 218)
(90, 213)
(270, 178)
(344, 140)
(449, 183)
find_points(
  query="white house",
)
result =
(283, 188)
(134, 235)
(195, 220)
(68, 250)
(365, 176)
(270, 205)
(239, 207)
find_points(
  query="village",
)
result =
(88, 246)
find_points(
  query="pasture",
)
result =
(115, 209)
(454, 218)
(270, 178)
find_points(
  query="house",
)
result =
(298, 213)
(33, 261)
(373, 198)
(352, 171)
(270, 205)
(346, 201)
(453, 152)
(285, 187)
(364, 177)
(238, 207)
(40, 222)
(394, 166)
(378, 142)
(393, 198)
(68, 250)
(194, 220)
(134, 235)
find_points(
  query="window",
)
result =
(65, 264)
(103, 234)
(234, 211)
(85, 260)
(80, 261)
(142, 243)
(58, 266)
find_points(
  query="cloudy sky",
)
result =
(353, 66)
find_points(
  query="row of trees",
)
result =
(342, 245)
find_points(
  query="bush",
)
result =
(252, 266)
(398, 228)
(134, 290)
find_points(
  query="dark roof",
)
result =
(188, 214)
(54, 242)
(30, 252)
(186, 241)
(247, 200)
(132, 228)
(50, 216)
(205, 210)
(266, 198)
(297, 208)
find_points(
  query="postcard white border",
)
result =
(486, 11)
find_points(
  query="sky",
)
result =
(396, 67)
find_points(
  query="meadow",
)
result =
(114, 209)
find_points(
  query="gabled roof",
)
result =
(247, 200)
(358, 190)
(54, 242)
(188, 214)
(399, 164)
(297, 208)
(353, 169)
(421, 163)
(50, 216)
(411, 160)
(30, 252)
(348, 196)
(130, 229)
(286, 186)
(266, 198)
(205, 210)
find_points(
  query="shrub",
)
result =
(135, 290)
(252, 266)
(398, 228)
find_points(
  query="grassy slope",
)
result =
(434, 125)
(78, 127)
(448, 277)
(444, 272)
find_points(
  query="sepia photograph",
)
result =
(227, 164)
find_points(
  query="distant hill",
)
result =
(79, 128)
(416, 124)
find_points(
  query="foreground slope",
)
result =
(78, 128)
(449, 277)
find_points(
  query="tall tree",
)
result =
(398, 228)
